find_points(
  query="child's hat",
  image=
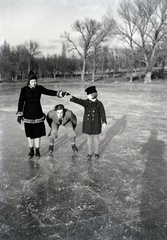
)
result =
(90, 90)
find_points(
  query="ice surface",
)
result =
(121, 196)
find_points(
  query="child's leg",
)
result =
(90, 143)
(96, 143)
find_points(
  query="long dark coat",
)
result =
(29, 105)
(94, 115)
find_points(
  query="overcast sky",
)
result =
(44, 21)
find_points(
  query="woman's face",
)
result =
(33, 83)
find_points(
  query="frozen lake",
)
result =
(122, 196)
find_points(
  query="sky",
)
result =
(44, 21)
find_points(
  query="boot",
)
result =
(31, 153)
(37, 154)
(50, 150)
(89, 157)
(96, 156)
(74, 148)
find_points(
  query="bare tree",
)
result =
(92, 34)
(5, 61)
(63, 52)
(32, 50)
(143, 26)
(106, 30)
(19, 55)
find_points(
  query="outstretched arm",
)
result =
(50, 92)
(79, 101)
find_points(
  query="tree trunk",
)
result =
(147, 78)
(83, 70)
(131, 78)
(94, 68)
(29, 65)
(131, 65)
(93, 76)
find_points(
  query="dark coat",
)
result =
(67, 116)
(94, 115)
(29, 105)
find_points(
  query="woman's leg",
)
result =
(37, 142)
(31, 146)
(37, 146)
(30, 142)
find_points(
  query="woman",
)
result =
(30, 111)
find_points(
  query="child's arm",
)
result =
(103, 117)
(79, 101)
(103, 113)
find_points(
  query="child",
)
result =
(61, 116)
(94, 119)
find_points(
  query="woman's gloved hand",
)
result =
(59, 93)
(19, 118)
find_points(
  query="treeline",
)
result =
(16, 62)
(141, 33)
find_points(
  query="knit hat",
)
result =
(90, 90)
(31, 75)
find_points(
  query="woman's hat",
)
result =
(90, 90)
(31, 75)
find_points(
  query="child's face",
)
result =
(33, 83)
(92, 96)
(60, 113)
(89, 96)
